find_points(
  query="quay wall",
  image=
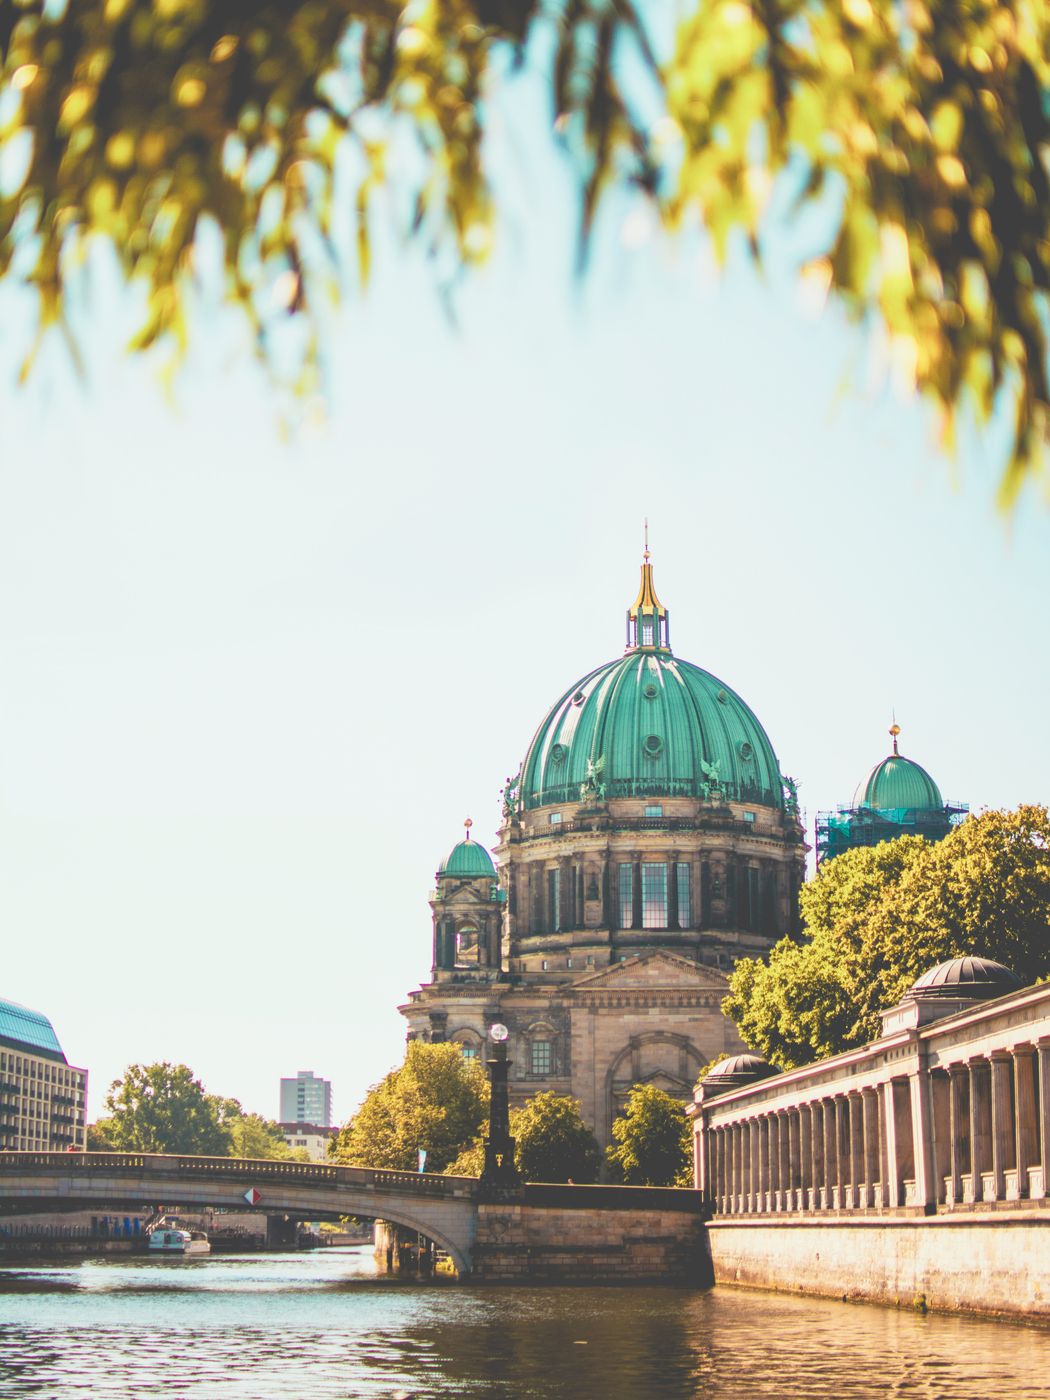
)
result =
(996, 1263)
(518, 1243)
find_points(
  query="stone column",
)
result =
(898, 1138)
(940, 1124)
(1027, 1128)
(1002, 1120)
(870, 1111)
(756, 1165)
(980, 1122)
(672, 894)
(958, 1131)
(805, 1142)
(787, 1194)
(1043, 1049)
(795, 1156)
(816, 1110)
(855, 1106)
(831, 1154)
(636, 893)
(923, 1160)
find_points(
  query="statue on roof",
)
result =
(592, 789)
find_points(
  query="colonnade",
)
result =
(952, 1134)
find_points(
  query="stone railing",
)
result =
(191, 1168)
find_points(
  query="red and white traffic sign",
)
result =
(252, 1196)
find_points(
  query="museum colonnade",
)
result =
(969, 1131)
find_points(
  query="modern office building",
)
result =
(306, 1099)
(43, 1098)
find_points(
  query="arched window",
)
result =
(468, 946)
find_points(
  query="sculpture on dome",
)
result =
(790, 795)
(510, 795)
(592, 789)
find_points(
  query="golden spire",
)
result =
(466, 826)
(647, 616)
(895, 729)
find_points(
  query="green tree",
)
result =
(551, 1143)
(251, 1135)
(245, 143)
(436, 1100)
(652, 1140)
(877, 918)
(161, 1108)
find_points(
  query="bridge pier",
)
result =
(403, 1252)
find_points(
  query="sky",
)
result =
(251, 684)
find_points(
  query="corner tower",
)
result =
(897, 798)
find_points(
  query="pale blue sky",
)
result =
(250, 688)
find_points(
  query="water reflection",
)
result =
(268, 1327)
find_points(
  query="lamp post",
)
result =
(499, 1168)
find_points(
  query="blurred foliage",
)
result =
(877, 918)
(652, 1140)
(917, 129)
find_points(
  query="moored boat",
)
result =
(167, 1240)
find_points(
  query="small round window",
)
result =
(722, 698)
(653, 745)
(745, 751)
(650, 690)
(578, 698)
(558, 753)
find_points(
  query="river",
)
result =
(265, 1327)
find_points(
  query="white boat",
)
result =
(166, 1240)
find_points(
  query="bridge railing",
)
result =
(243, 1168)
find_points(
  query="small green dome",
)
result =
(468, 861)
(898, 784)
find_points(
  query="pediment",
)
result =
(651, 970)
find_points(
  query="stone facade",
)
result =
(632, 869)
(914, 1167)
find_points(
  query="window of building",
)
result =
(626, 893)
(555, 819)
(540, 1057)
(470, 1052)
(685, 903)
(554, 900)
(568, 962)
(654, 896)
(749, 817)
(468, 946)
(654, 811)
(543, 965)
(647, 632)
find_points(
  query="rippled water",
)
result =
(265, 1327)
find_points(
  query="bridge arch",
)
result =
(444, 1209)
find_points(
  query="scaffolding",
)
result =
(849, 827)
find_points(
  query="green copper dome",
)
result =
(468, 861)
(650, 725)
(898, 784)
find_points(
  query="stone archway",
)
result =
(665, 1059)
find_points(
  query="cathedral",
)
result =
(648, 841)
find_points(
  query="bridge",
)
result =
(532, 1231)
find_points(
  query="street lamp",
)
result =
(499, 1168)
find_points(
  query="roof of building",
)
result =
(978, 978)
(468, 860)
(736, 1071)
(23, 1029)
(650, 725)
(898, 784)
